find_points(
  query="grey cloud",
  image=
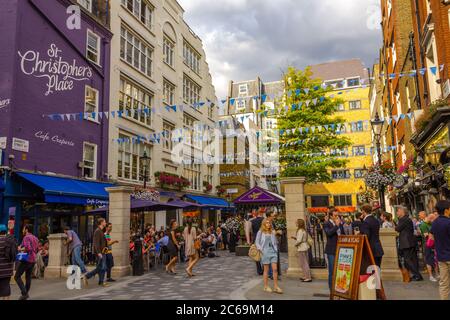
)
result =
(244, 39)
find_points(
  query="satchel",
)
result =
(309, 240)
(254, 253)
(430, 243)
(197, 244)
(22, 256)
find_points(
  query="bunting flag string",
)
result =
(341, 153)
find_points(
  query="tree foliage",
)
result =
(302, 160)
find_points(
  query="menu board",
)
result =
(345, 266)
(353, 256)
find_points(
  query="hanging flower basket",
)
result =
(366, 197)
(379, 177)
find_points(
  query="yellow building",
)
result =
(350, 80)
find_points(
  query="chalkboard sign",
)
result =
(353, 257)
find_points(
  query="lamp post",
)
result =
(377, 128)
(145, 158)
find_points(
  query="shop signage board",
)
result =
(20, 145)
(3, 141)
(353, 258)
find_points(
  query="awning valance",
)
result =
(69, 191)
(208, 201)
(259, 196)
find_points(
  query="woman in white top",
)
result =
(301, 242)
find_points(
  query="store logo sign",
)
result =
(20, 145)
(60, 75)
(4, 103)
(3, 141)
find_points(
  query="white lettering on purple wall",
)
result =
(4, 103)
(74, 20)
(45, 137)
(60, 74)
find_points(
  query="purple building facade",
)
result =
(52, 61)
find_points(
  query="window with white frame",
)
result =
(168, 129)
(339, 152)
(192, 172)
(89, 170)
(360, 173)
(394, 54)
(389, 7)
(340, 174)
(243, 90)
(340, 107)
(87, 4)
(343, 200)
(433, 76)
(428, 4)
(359, 151)
(168, 50)
(168, 92)
(130, 165)
(210, 174)
(336, 84)
(191, 91)
(142, 10)
(357, 126)
(91, 103)
(190, 134)
(135, 102)
(191, 57)
(398, 103)
(136, 52)
(353, 82)
(93, 47)
(241, 105)
(356, 104)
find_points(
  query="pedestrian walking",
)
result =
(75, 245)
(8, 251)
(108, 252)
(191, 251)
(371, 228)
(173, 247)
(99, 251)
(266, 243)
(225, 235)
(27, 260)
(440, 231)
(301, 242)
(333, 228)
(256, 226)
(428, 251)
(386, 219)
(356, 224)
(407, 243)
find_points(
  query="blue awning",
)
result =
(209, 201)
(69, 191)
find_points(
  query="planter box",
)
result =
(242, 251)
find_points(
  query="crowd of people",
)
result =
(427, 236)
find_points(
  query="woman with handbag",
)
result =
(266, 243)
(192, 246)
(303, 242)
(8, 251)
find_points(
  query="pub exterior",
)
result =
(53, 60)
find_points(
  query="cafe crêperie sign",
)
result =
(60, 74)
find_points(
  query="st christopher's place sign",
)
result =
(61, 75)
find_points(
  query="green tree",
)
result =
(302, 160)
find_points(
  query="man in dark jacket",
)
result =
(256, 225)
(333, 228)
(371, 228)
(8, 251)
(407, 242)
(100, 245)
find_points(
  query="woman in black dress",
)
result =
(172, 247)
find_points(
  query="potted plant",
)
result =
(220, 191)
(207, 187)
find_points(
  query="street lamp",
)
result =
(377, 128)
(145, 159)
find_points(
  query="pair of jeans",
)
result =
(330, 258)
(109, 265)
(27, 268)
(77, 260)
(100, 269)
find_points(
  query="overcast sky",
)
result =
(244, 39)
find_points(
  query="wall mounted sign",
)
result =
(20, 145)
(4, 103)
(60, 75)
(45, 137)
(3, 141)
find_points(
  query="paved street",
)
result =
(223, 278)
